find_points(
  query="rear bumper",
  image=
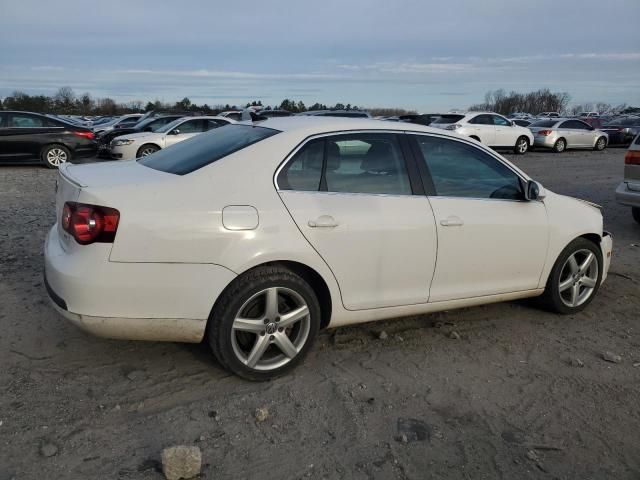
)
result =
(624, 196)
(547, 141)
(136, 301)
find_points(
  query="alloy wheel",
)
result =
(148, 151)
(56, 156)
(270, 328)
(578, 278)
(600, 144)
(522, 146)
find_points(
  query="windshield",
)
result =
(170, 126)
(544, 123)
(448, 119)
(204, 149)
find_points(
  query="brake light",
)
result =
(544, 133)
(632, 157)
(90, 223)
(87, 135)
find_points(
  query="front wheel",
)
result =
(55, 155)
(264, 323)
(600, 144)
(575, 277)
(147, 149)
(522, 145)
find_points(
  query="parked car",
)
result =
(589, 115)
(337, 113)
(150, 124)
(420, 119)
(120, 122)
(622, 130)
(561, 134)
(31, 137)
(135, 145)
(628, 192)
(489, 128)
(549, 114)
(233, 233)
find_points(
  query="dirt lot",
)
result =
(508, 399)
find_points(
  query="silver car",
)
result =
(628, 192)
(562, 133)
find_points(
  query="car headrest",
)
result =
(333, 156)
(378, 158)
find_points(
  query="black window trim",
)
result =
(428, 180)
(415, 181)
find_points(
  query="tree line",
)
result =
(543, 100)
(66, 102)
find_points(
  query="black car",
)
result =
(146, 125)
(622, 130)
(31, 137)
(420, 118)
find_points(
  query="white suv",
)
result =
(489, 128)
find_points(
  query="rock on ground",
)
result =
(611, 357)
(181, 462)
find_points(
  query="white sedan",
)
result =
(136, 145)
(489, 128)
(262, 234)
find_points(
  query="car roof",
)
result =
(311, 125)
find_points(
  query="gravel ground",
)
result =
(517, 393)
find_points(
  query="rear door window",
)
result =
(303, 172)
(24, 120)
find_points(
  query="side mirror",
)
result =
(534, 191)
(175, 131)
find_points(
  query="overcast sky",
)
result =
(427, 55)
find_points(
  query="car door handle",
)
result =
(323, 221)
(452, 221)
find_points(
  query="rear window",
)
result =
(544, 123)
(448, 119)
(201, 150)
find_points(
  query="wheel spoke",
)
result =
(248, 325)
(261, 345)
(284, 344)
(587, 262)
(566, 284)
(588, 282)
(573, 264)
(294, 316)
(575, 293)
(271, 303)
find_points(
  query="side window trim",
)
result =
(430, 190)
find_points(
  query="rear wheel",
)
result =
(146, 149)
(522, 145)
(560, 145)
(601, 143)
(635, 211)
(264, 324)
(55, 155)
(575, 277)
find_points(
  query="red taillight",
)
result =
(632, 157)
(544, 133)
(87, 135)
(90, 223)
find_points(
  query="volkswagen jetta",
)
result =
(260, 235)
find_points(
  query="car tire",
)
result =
(635, 212)
(573, 284)
(52, 156)
(560, 145)
(601, 144)
(264, 323)
(522, 146)
(147, 149)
